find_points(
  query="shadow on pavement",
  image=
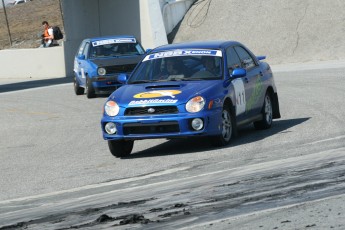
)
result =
(246, 135)
(8, 87)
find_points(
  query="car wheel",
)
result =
(77, 89)
(267, 113)
(90, 91)
(227, 128)
(120, 148)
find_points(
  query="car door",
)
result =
(253, 86)
(81, 62)
(239, 84)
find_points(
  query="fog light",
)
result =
(110, 128)
(197, 124)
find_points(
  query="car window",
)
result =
(81, 48)
(127, 49)
(86, 49)
(246, 59)
(116, 49)
(167, 66)
(233, 61)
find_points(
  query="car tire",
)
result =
(77, 89)
(228, 128)
(267, 114)
(90, 91)
(120, 148)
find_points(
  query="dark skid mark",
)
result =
(156, 209)
(328, 165)
(133, 219)
(22, 225)
(104, 218)
(230, 184)
(62, 217)
(113, 206)
(136, 218)
(124, 220)
(179, 205)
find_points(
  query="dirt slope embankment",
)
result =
(25, 23)
(287, 31)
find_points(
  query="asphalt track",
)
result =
(57, 173)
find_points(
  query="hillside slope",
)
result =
(25, 22)
(286, 31)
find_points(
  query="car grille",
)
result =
(157, 128)
(120, 68)
(154, 110)
(107, 89)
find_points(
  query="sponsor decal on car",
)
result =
(255, 97)
(152, 101)
(112, 41)
(155, 94)
(158, 93)
(174, 53)
(240, 96)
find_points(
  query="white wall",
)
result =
(33, 64)
(153, 33)
(173, 11)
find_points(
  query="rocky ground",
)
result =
(25, 23)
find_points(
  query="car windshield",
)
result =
(116, 49)
(178, 66)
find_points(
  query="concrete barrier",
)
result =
(38, 63)
(173, 11)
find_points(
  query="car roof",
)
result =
(110, 37)
(197, 45)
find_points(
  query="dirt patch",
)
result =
(25, 23)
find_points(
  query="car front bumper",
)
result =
(163, 126)
(105, 84)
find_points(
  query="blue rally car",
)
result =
(100, 60)
(191, 89)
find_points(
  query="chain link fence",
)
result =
(21, 25)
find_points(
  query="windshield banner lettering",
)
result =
(175, 53)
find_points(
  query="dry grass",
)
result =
(25, 22)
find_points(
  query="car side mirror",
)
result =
(238, 73)
(261, 57)
(122, 78)
(81, 57)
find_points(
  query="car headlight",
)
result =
(111, 108)
(101, 71)
(195, 104)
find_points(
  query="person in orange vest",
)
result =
(47, 36)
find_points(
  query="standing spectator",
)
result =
(47, 36)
